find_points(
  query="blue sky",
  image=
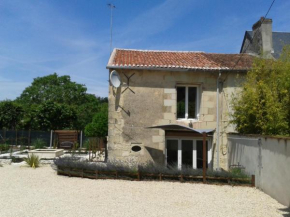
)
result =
(72, 37)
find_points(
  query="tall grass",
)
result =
(32, 161)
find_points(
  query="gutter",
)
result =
(178, 69)
(217, 122)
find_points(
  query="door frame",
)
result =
(179, 150)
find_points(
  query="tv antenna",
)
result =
(111, 6)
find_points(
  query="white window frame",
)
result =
(186, 102)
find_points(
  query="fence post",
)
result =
(81, 142)
(16, 137)
(50, 144)
(139, 176)
(253, 181)
(4, 130)
(29, 138)
(181, 178)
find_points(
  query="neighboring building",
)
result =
(263, 41)
(166, 101)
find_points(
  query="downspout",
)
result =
(217, 122)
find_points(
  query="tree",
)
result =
(263, 105)
(59, 89)
(53, 116)
(62, 91)
(11, 114)
(99, 126)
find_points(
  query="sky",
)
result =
(72, 37)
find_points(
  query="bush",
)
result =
(39, 144)
(4, 147)
(32, 161)
(149, 168)
(262, 106)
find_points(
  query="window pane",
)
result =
(192, 102)
(172, 153)
(186, 153)
(199, 154)
(180, 102)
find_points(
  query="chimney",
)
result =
(262, 43)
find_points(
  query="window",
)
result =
(187, 102)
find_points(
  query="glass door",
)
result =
(187, 153)
(199, 154)
(172, 152)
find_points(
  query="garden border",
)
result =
(138, 176)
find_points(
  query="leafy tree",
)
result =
(62, 91)
(53, 116)
(53, 88)
(11, 114)
(99, 126)
(263, 105)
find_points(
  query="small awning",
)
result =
(177, 127)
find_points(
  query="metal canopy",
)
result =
(177, 127)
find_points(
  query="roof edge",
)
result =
(112, 57)
(176, 69)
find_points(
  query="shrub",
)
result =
(39, 143)
(262, 105)
(4, 147)
(32, 161)
(146, 168)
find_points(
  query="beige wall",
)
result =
(154, 103)
(266, 158)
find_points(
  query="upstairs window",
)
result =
(187, 102)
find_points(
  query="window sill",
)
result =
(188, 119)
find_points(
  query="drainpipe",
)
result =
(217, 122)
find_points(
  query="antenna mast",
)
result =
(111, 6)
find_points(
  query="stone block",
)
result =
(167, 109)
(167, 96)
(169, 90)
(173, 109)
(163, 122)
(169, 102)
(209, 104)
(161, 146)
(208, 118)
(204, 111)
(157, 139)
(169, 116)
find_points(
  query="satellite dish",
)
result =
(115, 79)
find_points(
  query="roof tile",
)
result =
(179, 59)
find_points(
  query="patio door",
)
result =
(187, 153)
(172, 153)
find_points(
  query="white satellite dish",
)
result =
(115, 79)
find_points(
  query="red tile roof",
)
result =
(143, 59)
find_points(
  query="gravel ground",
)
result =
(40, 192)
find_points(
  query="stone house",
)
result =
(167, 100)
(263, 41)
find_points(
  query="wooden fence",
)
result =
(138, 176)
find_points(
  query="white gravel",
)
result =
(40, 192)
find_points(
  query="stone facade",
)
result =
(154, 103)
